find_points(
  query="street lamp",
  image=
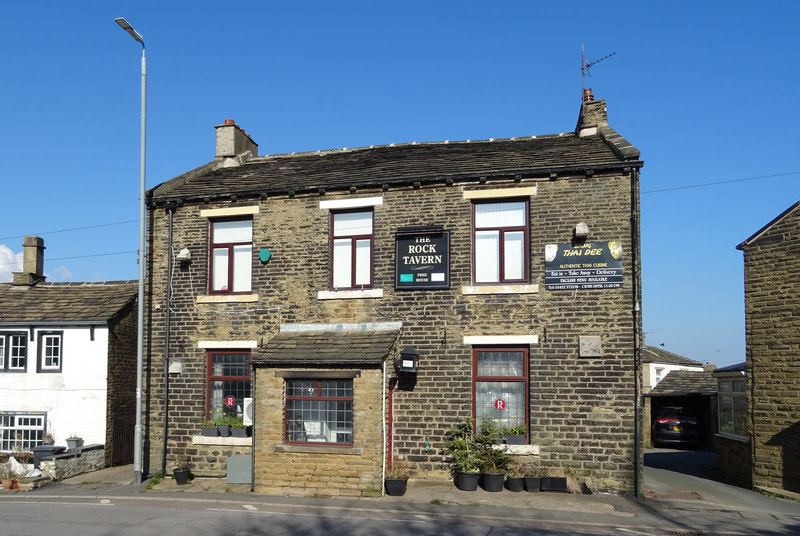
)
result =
(137, 434)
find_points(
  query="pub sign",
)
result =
(590, 265)
(422, 258)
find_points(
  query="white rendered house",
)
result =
(67, 360)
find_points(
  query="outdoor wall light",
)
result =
(408, 362)
(581, 230)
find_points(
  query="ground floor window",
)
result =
(228, 383)
(733, 407)
(20, 431)
(319, 411)
(500, 386)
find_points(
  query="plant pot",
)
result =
(395, 487)
(533, 483)
(15, 484)
(467, 481)
(210, 432)
(514, 439)
(224, 430)
(7, 483)
(74, 443)
(493, 481)
(239, 432)
(554, 483)
(515, 483)
(181, 476)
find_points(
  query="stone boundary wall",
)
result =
(71, 463)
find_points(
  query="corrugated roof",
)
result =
(404, 163)
(65, 302)
(653, 354)
(685, 382)
(309, 348)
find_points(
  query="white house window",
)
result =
(500, 242)
(500, 378)
(659, 374)
(13, 351)
(231, 256)
(351, 249)
(20, 431)
(50, 351)
(319, 411)
(733, 407)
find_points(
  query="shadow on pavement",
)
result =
(699, 463)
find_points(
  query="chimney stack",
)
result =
(234, 145)
(593, 115)
(32, 262)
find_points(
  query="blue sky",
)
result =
(705, 90)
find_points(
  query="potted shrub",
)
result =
(181, 473)
(465, 460)
(396, 481)
(494, 460)
(513, 435)
(210, 428)
(74, 442)
(533, 478)
(238, 428)
(515, 475)
(48, 439)
(7, 477)
(224, 425)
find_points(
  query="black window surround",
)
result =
(50, 351)
(13, 351)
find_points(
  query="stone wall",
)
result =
(581, 409)
(74, 462)
(772, 299)
(733, 460)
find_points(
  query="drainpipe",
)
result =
(170, 208)
(637, 358)
(385, 425)
(253, 426)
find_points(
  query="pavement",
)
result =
(691, 502)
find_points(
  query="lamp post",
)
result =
(137, 434)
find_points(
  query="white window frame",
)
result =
(8, 354)
(725, 392)
(12, 425)
(46, 339)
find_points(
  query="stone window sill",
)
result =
(311, 449)
(223, 441)
(349, 294)
(228, 298)
(499, 289)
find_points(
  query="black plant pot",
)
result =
(493, 481)
(533, 483)
(224, 430)
(554, 483)
(239, 432)
(181, 476)
(514, 439)
(515, 483)
(467, 481)
(210, 432)
(395, 487)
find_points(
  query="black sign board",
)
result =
(422, 258)
(590, 265)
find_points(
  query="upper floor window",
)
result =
(50, 351)
(231, 256)
(228, 381)
(500, 242)
(351, 249)
(319, 411)
(13, 351)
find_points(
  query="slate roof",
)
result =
(653, 354)
(758, 234)
(685, 382)
(404, 164)
(310, 348)
(65, 302)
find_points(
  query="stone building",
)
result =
(67, 361)
(367, 299)
(772, 329)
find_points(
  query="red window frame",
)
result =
(525, 228)
(353, 240)
(210, 377)
(319, 398)
(515, 379)
(230, 246)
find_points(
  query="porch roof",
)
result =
(327, 347)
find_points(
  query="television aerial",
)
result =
(586, 64)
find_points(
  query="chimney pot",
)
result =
(230, 122)
(587, 95)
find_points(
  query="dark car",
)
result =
(675, 425)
